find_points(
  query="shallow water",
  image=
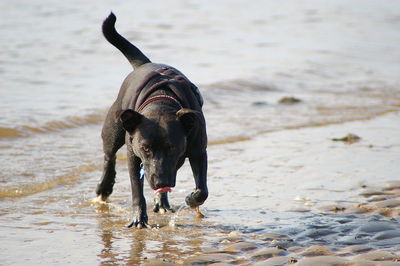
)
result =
(275, 176)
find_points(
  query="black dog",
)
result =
(158, 115)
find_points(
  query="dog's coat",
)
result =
(158, 114)
(165, 76)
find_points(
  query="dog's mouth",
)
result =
(163, 189)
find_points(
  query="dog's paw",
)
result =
(196, 198)
(103, 192)
(162, 209)
(102, 198)
(138, 224)
(140, 220)
(161, 203)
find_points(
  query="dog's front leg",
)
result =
(161, 203)
(199, 168)
(106, 184)
(139, 218)
(113, 137)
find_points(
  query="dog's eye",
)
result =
(146, 149)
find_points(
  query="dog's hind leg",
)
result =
(113, 136)
(199, 168)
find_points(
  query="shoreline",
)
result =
(287, 197)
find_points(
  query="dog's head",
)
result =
(160, 141)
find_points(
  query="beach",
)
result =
(302, 104)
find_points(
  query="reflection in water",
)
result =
(160, 241)
(107, 255)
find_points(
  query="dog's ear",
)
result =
(191, 120)
(129, 119)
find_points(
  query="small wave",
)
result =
(6, 132)
(228, 140)
(26, 189)
(243, 84)
(52, 126)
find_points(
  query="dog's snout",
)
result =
(161, 185)
(159, 182)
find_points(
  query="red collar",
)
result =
(157, 98)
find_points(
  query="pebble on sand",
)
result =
(316, 250)
(208, 259)
(289, 100)
(349, 138)
(283, 260)
(322, 260)
(356, 249)
(241, 246)
(267, 253)
(378, 256)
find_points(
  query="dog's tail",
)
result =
(131, 52)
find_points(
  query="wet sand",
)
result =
(348, 223)
(286, 197)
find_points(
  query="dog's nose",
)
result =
(161, 185)
(160, 182)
